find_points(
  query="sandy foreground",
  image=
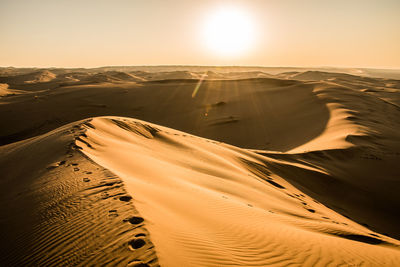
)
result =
(167, 166)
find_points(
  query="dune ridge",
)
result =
(65, 209)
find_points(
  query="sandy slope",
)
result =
(59, 208)
(302, 138)
(211, 204)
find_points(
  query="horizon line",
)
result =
(189, 65)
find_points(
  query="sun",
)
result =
(228, 31)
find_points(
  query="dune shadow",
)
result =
(260, 113)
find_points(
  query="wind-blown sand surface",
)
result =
(199, 168)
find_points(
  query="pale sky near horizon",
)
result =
(91, 33)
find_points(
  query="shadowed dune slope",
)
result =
(59, 208)
(359, 150)
(272, 111)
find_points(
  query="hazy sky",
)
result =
(88, 33)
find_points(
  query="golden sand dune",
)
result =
(211, 204)
(245, 170)
(4, 89)
(203, 203)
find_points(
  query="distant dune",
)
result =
(4, 89)
(199, 167)
(34, 77)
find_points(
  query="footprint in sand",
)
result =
(136, 243)
(134, 220)
(76, 169)
(125, 198)
(86, 179)
(139, 235)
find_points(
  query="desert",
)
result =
(207, 133)
(260, 167)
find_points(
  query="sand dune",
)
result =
(206, 198)
(167, 75)
(178, 168)
(34, 77)
(4, 89)
(204, 203)
(318, 75)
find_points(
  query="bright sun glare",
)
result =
(229, 31)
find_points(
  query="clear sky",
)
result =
(89, 33)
